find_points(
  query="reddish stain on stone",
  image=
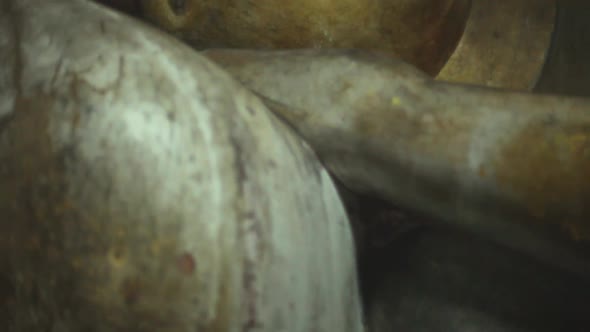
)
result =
(186, 264)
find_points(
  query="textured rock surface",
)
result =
(511, 166)
(422, 32)
(144, 190)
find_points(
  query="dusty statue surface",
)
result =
(485, 42)
(501, 163)
(143, 189)
(422, 32)
(505, 44)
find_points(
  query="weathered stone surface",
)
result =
(143, 189)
